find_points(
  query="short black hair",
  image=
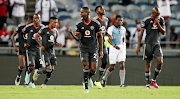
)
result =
(97, 7)
(30, 17)
(118, 16)
(87, 9)
(53, 18)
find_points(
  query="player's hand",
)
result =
(70, 30)
(138, 50)
(60, 44)
(156, 21)
(101, 54)
(42, 48)
(110, 36)
(16, 49)
(117, 47)
(26, 45)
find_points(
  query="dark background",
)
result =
(69, 71)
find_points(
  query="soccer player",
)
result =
(117, 50)
(21, 50)
(88, 32)
(154, 25)
(33, 51)
(49, 35)
(104, 22)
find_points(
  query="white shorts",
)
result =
(116, 55)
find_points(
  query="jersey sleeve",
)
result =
(25, 29)
(78, 29)
(110, 30)
(162, 22)
(17, 30)
(144, 24)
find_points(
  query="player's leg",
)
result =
(121, 59)
(148, 57)
(84, 56)
(122, 73)
(159, 57)
(31, 66)
(112, 60)
(148, 73)
(20, 68)
(36, 65)
(49, 70)
(104, 61)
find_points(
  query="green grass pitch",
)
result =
(77, 92)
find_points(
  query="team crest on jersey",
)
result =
(87, 33)
(51, 38)
(92, 27)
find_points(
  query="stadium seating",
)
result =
(175, 8)
(131, 7)
(118, 7)
(178, 16)
(175, 23)
(125, 14)
(146, 8)
(147, 13)
(173, 16)
(130, 23)
(141, 2)
(136, 15)
(75, 15)
(108, 14)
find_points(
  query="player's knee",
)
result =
(160, 63)
(48, 70)
(112, 68)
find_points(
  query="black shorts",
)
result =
(152, 50)
(22, 51)
(89, 56)
(34, 58)
(48, 59)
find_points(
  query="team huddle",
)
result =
(36, 48)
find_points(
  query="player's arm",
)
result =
(37, 36)
(114, 45)
(14, 42)
(139, 41)
(100, 39)
(24, 31)
(161, 28)
(77, 36)
(56, 43)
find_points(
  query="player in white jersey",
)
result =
(117, 51)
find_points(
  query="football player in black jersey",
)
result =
(49, 35)
(88, 33)
(104, 22)
(33, 52)
(21, 50)
(154, 26)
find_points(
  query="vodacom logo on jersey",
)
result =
(87, 33)
(154, 26)
(103, 29)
